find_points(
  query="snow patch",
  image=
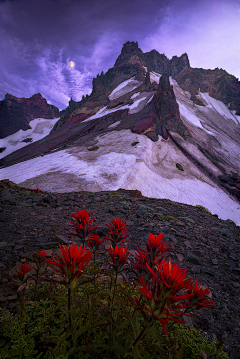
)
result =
(218, 106)
(189, 115)
(40, 128)
(135, 95)
(123, 88)
(154, 77)
(133, 108)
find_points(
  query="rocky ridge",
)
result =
(208, 247)
(16, 113)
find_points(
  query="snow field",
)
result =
(148, 167)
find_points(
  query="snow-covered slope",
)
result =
(40, 128)
(147, 166)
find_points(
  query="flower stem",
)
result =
(141, 333)
(94, 270)
(114, 289)
(69, 315)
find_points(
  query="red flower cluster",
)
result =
(153, 254)
(116, 231)
(71, 263)
(23, 270)
(170, 291)
(82, 226)
(39, 257)
(165, 288)
(118, 256)
(35, 190)
(94, 242)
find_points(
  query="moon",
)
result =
(72, 64)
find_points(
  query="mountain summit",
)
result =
(151, 123)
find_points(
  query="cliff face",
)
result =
(162, 115)
(218, 83)
(16, 113)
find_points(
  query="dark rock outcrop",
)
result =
(177, 64)
(146, 123)
(163, 114)
(167, 110)
(154, 61)
(104, 84)
(131, 54)
(16, 113)
(218, 83)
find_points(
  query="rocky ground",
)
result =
(204, 244)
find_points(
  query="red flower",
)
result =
(35, 190)
(24, 269)
(71, 263)
(142, 259)
(83, 226)
(94, 242)
(200, 297)
(118, 256)
(39, 257)
(172, 276)
(163, 295)
(155, 247)
(116, 231)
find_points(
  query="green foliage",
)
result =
(202, 208)
(44, 332)
(115, 195)
(168, 218)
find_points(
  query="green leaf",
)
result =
(135, 326)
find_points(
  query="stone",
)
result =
(8, 199)
(192, 258)
(188, 321)
(236, 271)
(62, 239)
(236, 284)
(3, 299)
(187, 244)
(225, 310)
(12, 297)
(181, 224)
(207, 271)
(224, 232)
(17, 247)
(129, 223)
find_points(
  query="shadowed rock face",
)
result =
(154, 61)
(218, 83)
(104, 84)
(16, 113)
(163, 114)
(167, 110)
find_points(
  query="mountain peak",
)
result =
(130, 54)
(129, 47)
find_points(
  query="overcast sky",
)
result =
(40, 39)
